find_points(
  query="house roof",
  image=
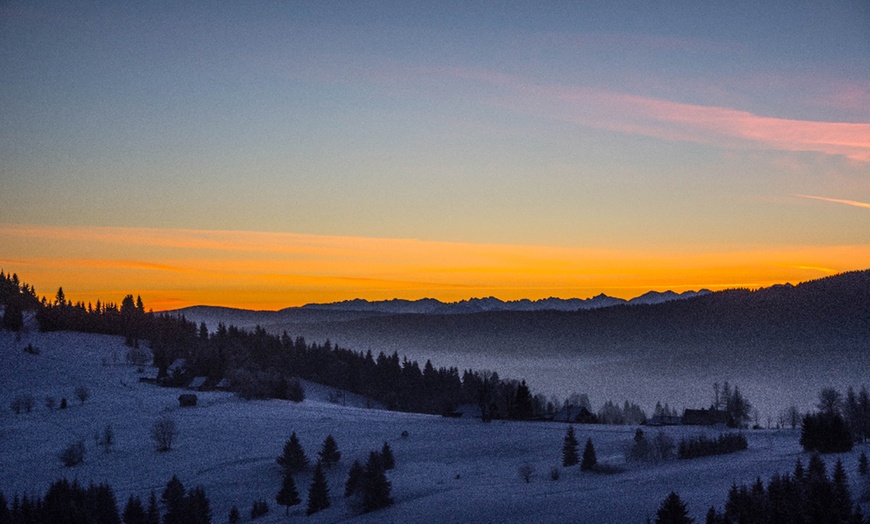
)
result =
(704, 417)
(197, 382)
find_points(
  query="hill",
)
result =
(784, 343)
(448, 470)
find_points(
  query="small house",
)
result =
(187, 400)
(705, 417)
(177, 366)
(665, 420)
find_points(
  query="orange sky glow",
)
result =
(173, 268)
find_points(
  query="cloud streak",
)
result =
(854, 203)
(669, 120)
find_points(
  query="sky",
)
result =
(272, 154)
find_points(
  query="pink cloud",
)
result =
(668, 120)
(711, 125)
(854, 203)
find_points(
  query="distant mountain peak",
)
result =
(490, 303)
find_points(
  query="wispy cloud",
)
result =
(670, 120)
(854, 203)
(718, 126)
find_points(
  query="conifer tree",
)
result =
(842, 498)
(173, 497)
(589, 458)
(388, 461)
(293, 458)
(863, 466)
(134, 512)
(288, 496)
(153, 513)
(569, 449)
(197, 507)
(329, 454)
(799, 472)
(354, 478)
(318, 493)
(234, 516)
(376, 488)
(673, 511)
(5, 517)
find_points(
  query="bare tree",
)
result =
(793, 416)
(83, 393)
(526, 471)
(74, 454)
(108, 438)
(23, 403)
(163, 433)
(830, 401)
(139, 357)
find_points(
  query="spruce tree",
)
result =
(288, 496)
(673, 511)
(234, 516)
(376, 488)
(589, 459)
(569, 449)
(318, 493)
(197, 507)
(5, 517)
(387, 458)
(153, 513)
(842, 503)
(293, 458)
(354, 479)
(329, 454)
(173, 496)
(863, 466)
(134, 512)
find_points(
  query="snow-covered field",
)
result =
(448, 470)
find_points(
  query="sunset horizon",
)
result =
(173, 269)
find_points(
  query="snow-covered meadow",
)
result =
(448, 470)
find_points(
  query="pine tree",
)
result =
(589, 459)
(293, 458)
(863, 466)
(329, 454)
(173, 496)
(288, 496)
(197, 507)
(5, 517)
(354, 479)
(376, 488)
(235, 516)
(799, 472)
(673, 511)
(387, 459)
(134, 512)
(842, 502)
(569, 449)
(153, 514)
(318, 493)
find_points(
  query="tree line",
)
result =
(264, 365)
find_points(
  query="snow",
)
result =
(448, 470)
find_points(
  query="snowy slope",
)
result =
(448, 470)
